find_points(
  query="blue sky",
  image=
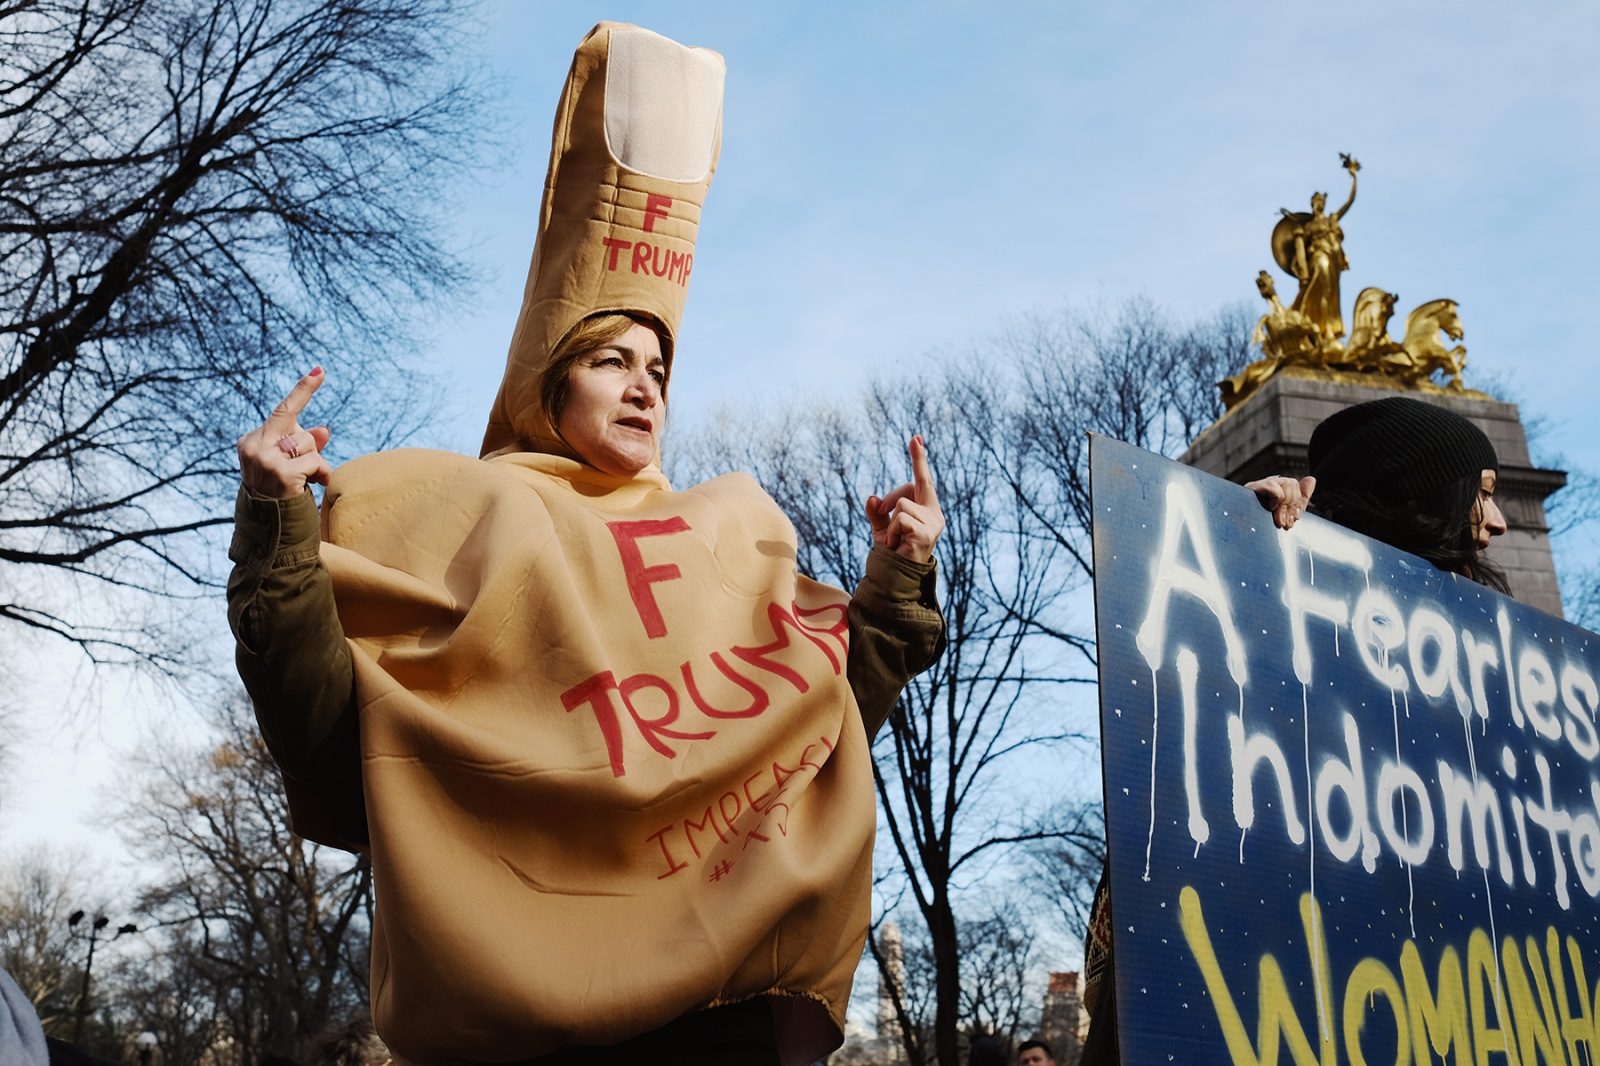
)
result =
(900, 179)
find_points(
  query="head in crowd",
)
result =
(1415, 476)
(985, 1051)
(355, 1043)
(1035, 1053)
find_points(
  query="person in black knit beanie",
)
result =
(1413, 475)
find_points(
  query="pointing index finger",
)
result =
(921, 472)
(287, 413)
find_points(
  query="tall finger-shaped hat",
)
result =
(636, 139)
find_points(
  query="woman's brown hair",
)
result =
(590, 334)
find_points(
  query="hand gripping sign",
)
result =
(1353, 801)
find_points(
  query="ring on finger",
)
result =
(289, 446)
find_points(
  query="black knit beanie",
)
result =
(1397, 449)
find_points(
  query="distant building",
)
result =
(891, 984)
(1062, 1022)
(883, 1046)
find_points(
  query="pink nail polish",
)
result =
(316, 371)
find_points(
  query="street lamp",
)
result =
(99, 923)
(145, 1043)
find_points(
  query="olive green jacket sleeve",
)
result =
(896, 632)
(294, 662)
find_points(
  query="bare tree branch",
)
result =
(1007, 432)
(198, 200)
(263, 936)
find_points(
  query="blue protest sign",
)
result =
(1353, 801)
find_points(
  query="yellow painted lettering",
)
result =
(1575, 1029)
(1369, 979)
(1277, 1022)
(1438, 1013)
(1538, 1032)
(1481, 967)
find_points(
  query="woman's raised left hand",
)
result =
(1285, 497)
(908, 520)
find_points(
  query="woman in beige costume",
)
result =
(608, 750)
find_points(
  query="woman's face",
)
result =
(1487, 519)
(614, 409)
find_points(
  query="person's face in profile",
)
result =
(1487, 518)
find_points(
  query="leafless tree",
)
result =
(198, 200)
(262, 937)
(168, 995)
(39, 891)
(990, 708)
(1006, 429)
(1065, 869)
(1130, 373)
(1574, 517)
(997, 953)
(959, 727)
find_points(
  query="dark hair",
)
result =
(1029, 1045)
(1436, 525)
(985, 1051)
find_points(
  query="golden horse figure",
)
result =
(1422, 352)
(1370, 343)
(1285, 336)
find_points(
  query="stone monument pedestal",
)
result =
(1268, 433)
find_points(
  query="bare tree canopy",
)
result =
(248, 940)
(43, 953)
(258, 939)
(1067, 868)
(198, 200)
(1007, 432)
(1128, 372)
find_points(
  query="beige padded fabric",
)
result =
(614, 770)
(613, 766)
(663, 105)
(613, 236)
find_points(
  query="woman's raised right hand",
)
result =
(278, 458)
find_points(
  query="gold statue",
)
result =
(1421, 353)
(1306, 335)
(1369, 338)
(1286, 338)
(1287, 332)
(1311, 248)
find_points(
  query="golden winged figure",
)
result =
(1309, 246)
